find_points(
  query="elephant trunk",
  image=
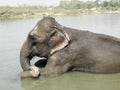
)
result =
(25, 56)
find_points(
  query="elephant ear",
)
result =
(58, 40)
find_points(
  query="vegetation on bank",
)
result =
(65, 8)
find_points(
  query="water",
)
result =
(13, 34)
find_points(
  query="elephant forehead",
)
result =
(47, 22)
(39, 30)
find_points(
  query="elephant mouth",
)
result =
(39, 62)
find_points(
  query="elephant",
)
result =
(68, 49)
(40, 63)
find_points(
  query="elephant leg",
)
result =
(53, 68)
(25, 74)
(33, 72)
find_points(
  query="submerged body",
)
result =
(68, 49)
(91, 52)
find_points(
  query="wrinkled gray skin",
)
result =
(69, 49)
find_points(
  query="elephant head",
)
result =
(46, 38)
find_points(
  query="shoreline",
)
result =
(38, 13)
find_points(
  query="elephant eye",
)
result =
(32, 39)
(34, 43)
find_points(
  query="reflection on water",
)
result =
(13, 34)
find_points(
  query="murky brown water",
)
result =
(75, 81)
(13, 34)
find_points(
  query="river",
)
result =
(14, 32)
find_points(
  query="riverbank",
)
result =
(22, 13)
